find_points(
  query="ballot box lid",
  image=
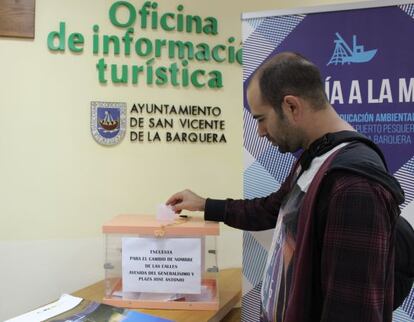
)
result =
(148, 225)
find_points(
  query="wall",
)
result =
(58, 185)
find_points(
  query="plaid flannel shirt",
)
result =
(354, 240)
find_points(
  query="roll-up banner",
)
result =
(365, 54)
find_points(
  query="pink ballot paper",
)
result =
(165, 213)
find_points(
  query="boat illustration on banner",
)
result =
(343, 54)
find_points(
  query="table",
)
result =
(229, 291)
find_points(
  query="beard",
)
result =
(282, 150)
(286, 146)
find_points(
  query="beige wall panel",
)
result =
(58, 185)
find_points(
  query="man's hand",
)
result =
(186, 200)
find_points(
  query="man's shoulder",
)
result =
(358, 156)
(359, 162)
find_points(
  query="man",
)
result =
(332, 254)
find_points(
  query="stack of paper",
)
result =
(70, 309)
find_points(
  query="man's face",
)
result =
(277, 129)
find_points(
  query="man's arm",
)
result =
(255, 214)
(357, 251)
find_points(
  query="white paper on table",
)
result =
(158, 297)
(65, 303)
(161, 265)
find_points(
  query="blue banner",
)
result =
(365, 58)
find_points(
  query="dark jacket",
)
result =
(358, 167)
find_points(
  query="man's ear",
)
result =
(292, 106)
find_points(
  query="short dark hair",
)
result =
(290, 73)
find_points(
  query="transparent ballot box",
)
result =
(161, 265)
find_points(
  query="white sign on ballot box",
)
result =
(161, 265)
